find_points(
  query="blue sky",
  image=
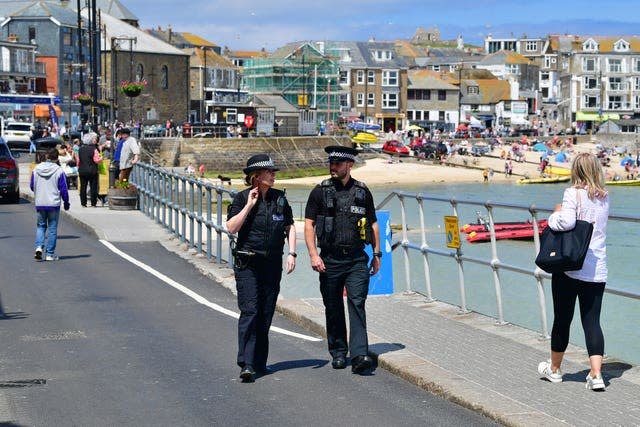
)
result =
(256, 24)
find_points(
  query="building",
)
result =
(432, 103)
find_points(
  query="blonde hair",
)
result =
(248, 180)
(586, 172)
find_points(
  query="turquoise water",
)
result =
(620, 316)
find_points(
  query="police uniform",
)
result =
(258, 269)
(343, 216)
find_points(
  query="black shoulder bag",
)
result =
(565, 250)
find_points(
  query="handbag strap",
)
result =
(579, 201)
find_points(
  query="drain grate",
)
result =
(22, 383)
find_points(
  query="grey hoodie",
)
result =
(49, 185)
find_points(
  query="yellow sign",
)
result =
(452, 231)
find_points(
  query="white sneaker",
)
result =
(544, 369)
(38, 254)
(51, 258)
(595, 383)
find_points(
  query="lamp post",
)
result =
(203, 108)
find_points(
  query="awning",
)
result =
(42, 110)
(595, 117)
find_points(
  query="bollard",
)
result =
(114, 170)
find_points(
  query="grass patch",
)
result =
(288, 174)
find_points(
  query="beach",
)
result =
(383, 170)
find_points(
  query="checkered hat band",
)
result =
(263, 164)
(341, 155)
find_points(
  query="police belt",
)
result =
(342, 250)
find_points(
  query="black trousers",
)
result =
(350, 271)
(258, 286)
(92, 181)
(565, 291)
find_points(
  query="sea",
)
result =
(620, 316)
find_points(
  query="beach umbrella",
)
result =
(626, 160)
(561, 157)
(540, 147)
(414, 127)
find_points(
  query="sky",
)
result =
(269, 24)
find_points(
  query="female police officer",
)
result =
(262, 218)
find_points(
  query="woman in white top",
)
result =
(586, 199)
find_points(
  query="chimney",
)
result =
(13, 38)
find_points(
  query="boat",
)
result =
(547, 180)
(624, 182)
(513, 234)
(501, 226)
(364, 138)
(555, 170)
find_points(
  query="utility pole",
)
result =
(94, 65)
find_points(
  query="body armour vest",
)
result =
(264, 229)
(344, 225)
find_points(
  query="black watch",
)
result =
(378, 254)
(293, 254)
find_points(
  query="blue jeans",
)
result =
(44, 220)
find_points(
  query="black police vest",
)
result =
(344, 225)
(265, 237)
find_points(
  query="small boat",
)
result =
(364, 138)
(555, 170)
(501, 226)
(513, 234)
(624, 182)
(548, 180)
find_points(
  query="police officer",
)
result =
(262, 218)
(341, 218)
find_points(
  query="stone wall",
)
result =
(230, 154)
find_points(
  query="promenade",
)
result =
(465, 358)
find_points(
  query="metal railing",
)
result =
(184, 206)
(494, 263)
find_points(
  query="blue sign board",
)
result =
(11, 99)
(382, 282)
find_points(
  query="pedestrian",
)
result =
(340, 219)
(49, 186)
(87, 160)
(485, 174)
(262, 218)
(586, 199)
(129, 154)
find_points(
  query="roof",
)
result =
(277, 101)
(213, 59)
(180, 39)
(491, 91)
(367, 49)
(426, 79)
(505, 57)
(116, 9)
(43, 9)
(144, 42)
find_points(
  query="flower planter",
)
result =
(132, 92)
(83, 101)
(123, 199)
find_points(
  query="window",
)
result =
(164, 78)
(590, 46)
(382, 55)
(66, 39)
(636, 83)
(616, 83)
(360, 99)
(389, 100)
(544, 76)
(442, 95)
(591, 101)
(139, 72)
(360, 77)
(436, 68)
(232, 115)
(371, 77)
(621, 46)
(344, 100)
(473, 90)
(513, 69)
(390, 78)
(615, 65)
(32, 34)
(441, 116)
(547, 61)
(344, 77)
(419, 94)
(371, 100)
(410, 115)
(590, 82)
(531, 46)
(589, 64)
(615, 103)
(636, 102)
(636, 65)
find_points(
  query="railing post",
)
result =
(424, 249)
(494, 265)
(171, 202)
(219, 226)
(183, 210)
(542, 303)
(405, 247)
(458, 258)
(199, 217)
(191, 214)
(209, 200)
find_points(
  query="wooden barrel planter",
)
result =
(123, 199)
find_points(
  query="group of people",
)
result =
(339, 221)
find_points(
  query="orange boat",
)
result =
(500, 226)
(525, 233)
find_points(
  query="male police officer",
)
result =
(340, 214)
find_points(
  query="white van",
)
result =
(17, 134)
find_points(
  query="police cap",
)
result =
(338, 153)
(259, 162)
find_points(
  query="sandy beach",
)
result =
(381, 170)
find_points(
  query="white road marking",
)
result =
(202, 300)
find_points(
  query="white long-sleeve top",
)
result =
(595, 211)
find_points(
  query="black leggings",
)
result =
(589, 294)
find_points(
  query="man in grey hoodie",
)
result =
(49, 185)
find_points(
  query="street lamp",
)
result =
(203, 81)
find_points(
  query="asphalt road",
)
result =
(93, 340)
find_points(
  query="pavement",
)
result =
(467, 358)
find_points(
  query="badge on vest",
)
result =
(278, 217)
(358, 210)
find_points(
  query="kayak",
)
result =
(364, 138)
(513, 234)
(624, 182)
(555, 170)
(549, 180)
(501, 226)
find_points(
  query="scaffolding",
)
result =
(304, 78)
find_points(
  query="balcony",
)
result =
(12, 68)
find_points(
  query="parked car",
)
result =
(395, 147)
(9, 175)
(480, 149)
(18, 134)
(428, 150)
